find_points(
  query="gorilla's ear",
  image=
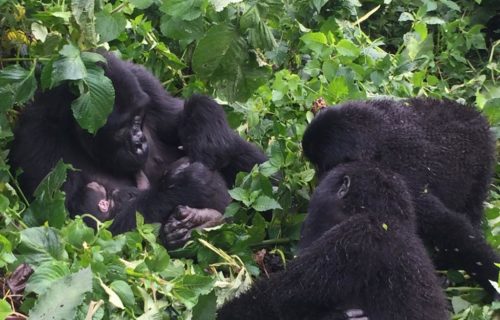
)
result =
(344, 188)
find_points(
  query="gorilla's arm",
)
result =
(313, 283)
(207, 137)
(456, 243)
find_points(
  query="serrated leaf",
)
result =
(92, 108)
(265, 203)
(220, 47)
(63, 297)
(188, 287)
(238, 194)
(68, 67)
(53, 182)
(109, 26)
(77, 233)
(41, 244)
(45, 275)
(20, 84)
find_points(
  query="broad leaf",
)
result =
(63, 297)
(92, 108)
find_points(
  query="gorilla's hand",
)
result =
(177, 230)
(138, 141)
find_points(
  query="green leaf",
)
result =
(316, 41)
(142, 4)
(83, 13)
(77, 233)
(347, 49)
(123, 290)
(68, 67)
(265, 203)
(92, 108)
(188, 287)
(63, 297)
(406, 16)
(206, 307)
(219, 5)
(183, 9)
(21, 84)
(45, 275)
(450, 4)
(238, 194)
(109, 26)
(176, 28)
(5, 309)
(41, 244)
(220, 47)
(434, 20)
(53, 182)
(6, 256)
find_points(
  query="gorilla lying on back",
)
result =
(371, 258)
(183, 188)
(445, 152)
(141, 138)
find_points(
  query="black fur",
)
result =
(444, 150)
(141, 138)
(371, 258)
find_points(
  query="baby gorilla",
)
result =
(172, 202)
(370, 257)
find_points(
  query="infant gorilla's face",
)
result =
(98, 201)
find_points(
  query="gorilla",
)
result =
(369, 257)
(141, 138)
(174, 194)
(443, 149)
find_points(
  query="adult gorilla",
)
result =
(443, 149)
(141, 138)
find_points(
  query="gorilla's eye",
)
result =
(344, 188)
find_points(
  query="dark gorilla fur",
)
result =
(445, 151)
(371, 258)
(135, 147)
(174, 193)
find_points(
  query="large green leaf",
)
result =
(188, 287)
(68, 67)
(219, 50)
(45, 275)
(92, 108)
(41, 244)
(183, 9)
(17, 85)
(109, 26)
(63, 297)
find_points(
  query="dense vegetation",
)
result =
(267, 61)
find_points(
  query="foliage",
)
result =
(268, 61)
